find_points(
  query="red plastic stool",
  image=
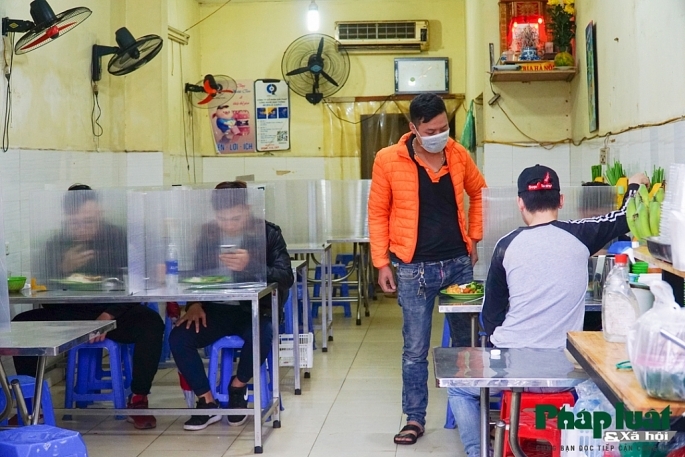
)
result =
(527, 430)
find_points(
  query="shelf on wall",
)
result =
(531, 76)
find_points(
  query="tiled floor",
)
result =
(351, 406)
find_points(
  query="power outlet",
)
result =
(603, 156)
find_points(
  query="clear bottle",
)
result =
(619, 305)
(171, 262)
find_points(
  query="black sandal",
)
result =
(409, 438)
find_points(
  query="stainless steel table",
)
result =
(43, 339)
(364, 270)
(513, 369)
(324, 250)
(251, 293)
(450, 305)
(299, 267)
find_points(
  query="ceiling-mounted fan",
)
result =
(129, 55)
(315, 67)
(212, 91)
(45, 27)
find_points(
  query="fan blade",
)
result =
(52, 32)
(320, 50)
(208, 87)
(226, 91)
(298, 71)
(211, 82)
(328, 77)
(315, 86)
(206, 100)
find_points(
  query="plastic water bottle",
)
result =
(619, 305)
(171, 263)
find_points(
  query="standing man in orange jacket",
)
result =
(417, 222)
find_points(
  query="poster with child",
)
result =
(232, 123)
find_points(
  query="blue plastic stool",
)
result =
(338, 271)
(223, 351)
(41, 441)
(28, 384)
(344, 259)
(168, 326)
(85, 386)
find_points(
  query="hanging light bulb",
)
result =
(313, 17)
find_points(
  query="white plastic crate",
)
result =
(285, 350)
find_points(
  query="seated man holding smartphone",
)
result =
(223, 250)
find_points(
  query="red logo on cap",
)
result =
(545, 184)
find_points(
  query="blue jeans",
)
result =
(418, 284)
(465, 405)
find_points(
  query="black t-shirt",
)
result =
(439, 236)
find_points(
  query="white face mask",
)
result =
(435, 143)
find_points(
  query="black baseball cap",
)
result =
(536, 178)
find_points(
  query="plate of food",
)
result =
(465, 292)
(206, 280)
(80, 281)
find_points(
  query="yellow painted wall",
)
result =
(640, 78)
(183, 67)
(52, 98)
(247, 41)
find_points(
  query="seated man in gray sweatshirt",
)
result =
(535, 289)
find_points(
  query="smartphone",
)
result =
(227, 249)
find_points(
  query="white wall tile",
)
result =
(497, 167)
(267, 168)
(306, 167)
(144, 169)
(217, 169)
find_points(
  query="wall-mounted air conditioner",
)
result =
(392, 37)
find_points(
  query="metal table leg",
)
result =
(306, 311)
(366, 258)
(296, 337)
(329, 258)
(256, 379)
(474, 330)
(275, 373)
(498, 449)
(514, 411)
(324, 302)
(38, 395)
(484, 422)
(357, 264)
(5, 414)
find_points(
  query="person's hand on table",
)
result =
(386, 279)
(76, 257)
(101, 337)
(235, 261)
(194, 315)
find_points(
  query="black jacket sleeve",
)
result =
(278, 267)
(596, 232)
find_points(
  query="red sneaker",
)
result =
(140, 422)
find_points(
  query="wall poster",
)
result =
(233, 122)
(272, 108)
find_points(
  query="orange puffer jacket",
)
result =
(394, 200)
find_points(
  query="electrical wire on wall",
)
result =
(390, 97)
(9, 63)
(551, 144)
(95, 115)
(185, 103)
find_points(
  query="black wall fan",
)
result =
(212, 91)
(314, 67)
(45, 27)
(129, 55)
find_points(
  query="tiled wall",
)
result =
(638, 150)
(24, 171)
(278, 167)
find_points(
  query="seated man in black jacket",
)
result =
(206, 322)
(89, 246)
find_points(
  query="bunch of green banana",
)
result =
(644, 213)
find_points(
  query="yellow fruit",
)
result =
(621, 189)
(563, 59)
(599, 179)
(655, 189)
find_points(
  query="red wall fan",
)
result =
(45, 27)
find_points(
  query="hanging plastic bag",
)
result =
(468, 135)
(659, 364)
